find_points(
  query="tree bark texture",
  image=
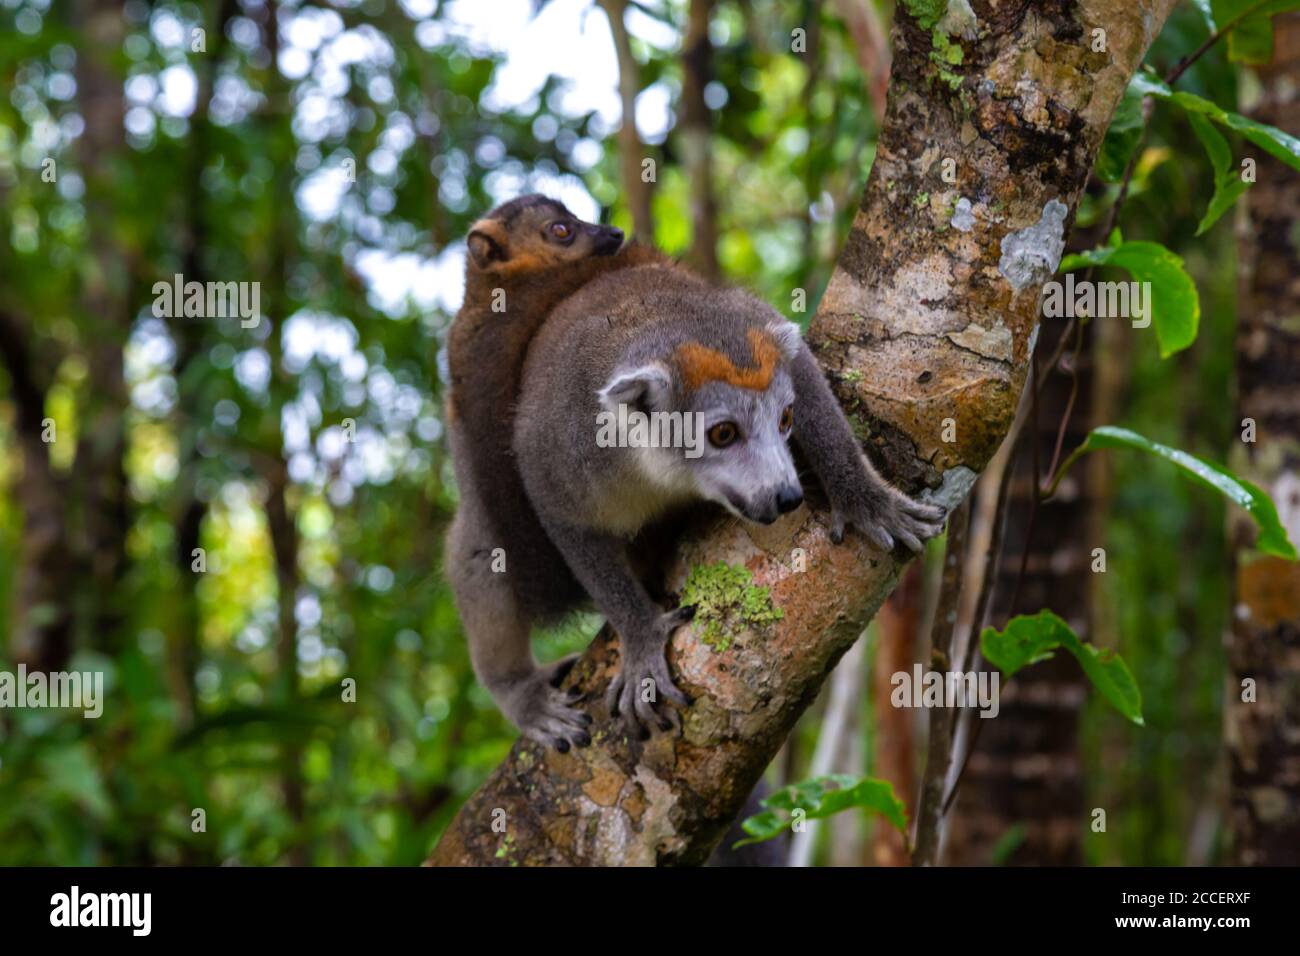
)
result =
(925, 333)
(1263, 734)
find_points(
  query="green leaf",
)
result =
(761, 827)
(1122, 137)
(1228, 183)
(1175, 305)
(1272, 535)
(1216, 147)
(1028, 639)
(1249, 24)
(926, 12)
(1272, 140)
(823, 797)
(1024, 641)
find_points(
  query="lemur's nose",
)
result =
(789, 498)
(608, 239)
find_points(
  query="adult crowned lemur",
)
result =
(562, 323)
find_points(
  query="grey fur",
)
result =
(613, 341)
(615, 338)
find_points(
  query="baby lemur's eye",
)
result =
(723, 434)
(561, 231)
(787, 418)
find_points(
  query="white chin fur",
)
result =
(661, 469)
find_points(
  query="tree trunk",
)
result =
(1263, 731)
(100, 475)
(270, 456)
(868, 37)
(697, 140)
(41, 634)
(192, 341)
(925, 332)
(898, 622)
(631, 152)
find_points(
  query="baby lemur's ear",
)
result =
(645, 385)
(487, 244)
(787, 337)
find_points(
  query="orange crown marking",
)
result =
(699, 363)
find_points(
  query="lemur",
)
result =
(523, 257)
(654, 338)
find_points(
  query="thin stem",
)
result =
(939, 745)
(1033, 500)
(1069, 406)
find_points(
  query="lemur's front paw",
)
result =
(544, 713)
(643, 677)
(888, 518)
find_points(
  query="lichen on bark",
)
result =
(727, 603)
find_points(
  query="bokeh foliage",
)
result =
(247, 179)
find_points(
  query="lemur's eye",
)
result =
(723, 434)
(561, 230)
(787, 418)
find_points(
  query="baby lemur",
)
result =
(653, 338)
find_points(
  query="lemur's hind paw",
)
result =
(546, 714)
(890, 518)
(643, 677)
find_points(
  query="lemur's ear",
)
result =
(487, 244)
(787, 336)
(646, 385)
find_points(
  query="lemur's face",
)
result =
(533, 234)
(745, 463)
(729, 423)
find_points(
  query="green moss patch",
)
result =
(727, 602)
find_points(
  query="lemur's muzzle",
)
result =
(607, 239)
(769, 508)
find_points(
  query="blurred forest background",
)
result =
(229, 522)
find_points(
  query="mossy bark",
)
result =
(925, 331)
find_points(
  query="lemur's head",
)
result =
(736, 404)
(533, 233)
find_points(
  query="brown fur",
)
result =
(486, 352)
